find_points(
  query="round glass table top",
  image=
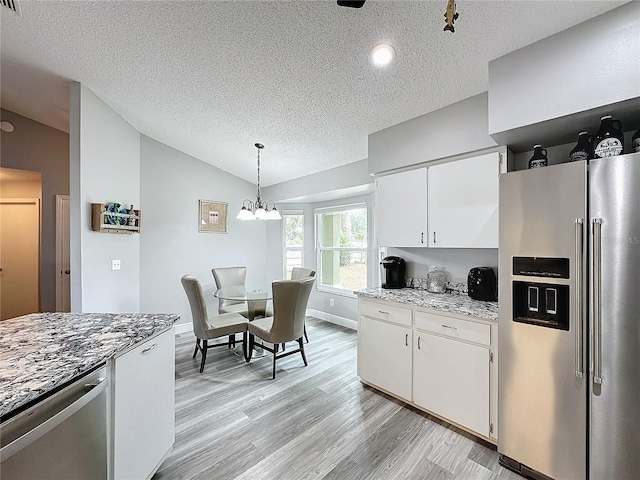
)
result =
(240, 293)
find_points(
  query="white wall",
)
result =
(105, 168)
(172, 183)
(452, 130)
(456, 262)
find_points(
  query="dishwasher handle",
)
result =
(32, 435)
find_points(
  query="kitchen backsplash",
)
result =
(456, 288)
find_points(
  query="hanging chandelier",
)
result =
(258, 210)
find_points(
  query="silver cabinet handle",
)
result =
(422, 237)
(149, 349)
(578, 297)
(384, 313)
(447, 326)
(418, 343)
(406, 339)
(434, 238)
(596, 307)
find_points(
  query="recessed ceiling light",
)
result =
(6, 127)
(382, 55)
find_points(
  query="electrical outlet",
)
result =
(115, 264)
(332, 302)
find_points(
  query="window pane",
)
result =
(343, 269)
(343, 229)
(294, 229)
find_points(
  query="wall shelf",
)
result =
(100, 220)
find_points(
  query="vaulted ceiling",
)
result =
(211, 78)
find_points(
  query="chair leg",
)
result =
(197, 345)
(249, 352)
(244, 344)
(204, 355)
(305, 334)
(304, 358)
(275, 351)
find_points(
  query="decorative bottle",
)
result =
(635, 142)
(582, 150)
(609, 140)
(539, 158)
(132, 218)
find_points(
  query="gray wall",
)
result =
(456, 129)
(105, 168)
(589, 65)
(37, 147)
(171, 185)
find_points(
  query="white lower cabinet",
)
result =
(142, 407)
(443, 364)
(384, 355)
(451, 378)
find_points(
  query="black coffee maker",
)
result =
(394, 268)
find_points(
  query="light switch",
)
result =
(115, 264)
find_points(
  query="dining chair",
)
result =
(231, 277)
(207, 327)
(296, 274)
(290, 298)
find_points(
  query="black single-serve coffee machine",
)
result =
(394, 268)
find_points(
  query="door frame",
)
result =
(60, 199)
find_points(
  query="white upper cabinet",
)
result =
(401, 209)
(463, 202)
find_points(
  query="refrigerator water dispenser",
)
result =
(543, 304)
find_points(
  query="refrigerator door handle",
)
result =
(596, 307)
(579, 322)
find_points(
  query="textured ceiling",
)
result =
(211, 78)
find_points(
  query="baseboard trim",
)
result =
(328, 317)
(183, 328)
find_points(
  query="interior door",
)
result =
(63, 265)
(19, 256)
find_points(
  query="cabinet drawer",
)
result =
(389, 313)
(455, 328)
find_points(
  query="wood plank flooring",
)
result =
(315, 422)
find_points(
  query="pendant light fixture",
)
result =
(258, 210)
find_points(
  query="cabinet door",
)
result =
(143, 430)
(463, 203)
(451, 379)
(384, 356)
(401, 209)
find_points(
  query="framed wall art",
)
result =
(213, 217)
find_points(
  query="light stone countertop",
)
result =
(42, 351)
(446, 302)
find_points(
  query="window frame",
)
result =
(285, 248)
(319, 249)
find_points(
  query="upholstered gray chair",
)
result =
(297, 273)
(206, 326)
(230, 277)
(290, 299)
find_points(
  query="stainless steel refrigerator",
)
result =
(569, 320)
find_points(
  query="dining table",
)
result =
(255, 298)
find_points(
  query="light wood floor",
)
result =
(315, 422)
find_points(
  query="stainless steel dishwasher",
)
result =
(62, 437)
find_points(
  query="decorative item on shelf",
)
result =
(635, 142)
(582, 150)
(258, 210)
(114, 218)
(213, 217)
(450, 16)
(609, 140)
(539, 158)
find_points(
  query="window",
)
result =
(293, 234)
(342, 247)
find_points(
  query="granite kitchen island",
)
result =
(41, 354)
